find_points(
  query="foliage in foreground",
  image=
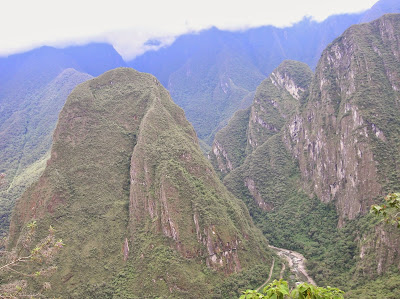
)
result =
(280, 290)
(28, 261)
(389, 211)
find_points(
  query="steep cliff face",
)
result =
(317, 157)
(276, 99)
(345, 140)
(265, 175)
(141, 210)
(346, 137)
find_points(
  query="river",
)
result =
(296, 264)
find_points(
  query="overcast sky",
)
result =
(26, 24)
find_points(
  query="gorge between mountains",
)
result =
(230, 166)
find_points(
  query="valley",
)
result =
(296, 263)
(207, 166)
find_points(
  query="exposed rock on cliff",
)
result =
(126, 172)
(336, 142)
(276, 99)
(346, 140)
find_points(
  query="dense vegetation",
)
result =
(126, 171)
(267, 176)
(34, 88)
(26, 137)
(114, 163)
(280, 290)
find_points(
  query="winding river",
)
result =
(296, 264)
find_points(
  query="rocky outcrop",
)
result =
(224, 164)
(126, 171)
(339, 136)
(379, 251)
(276, 99)
(281, 78)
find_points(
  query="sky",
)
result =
(127, 25)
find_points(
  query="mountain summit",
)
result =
(140, 209)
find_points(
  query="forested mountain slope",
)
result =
(126, 171)
(34, 87)
(310, 182)
(213, 73)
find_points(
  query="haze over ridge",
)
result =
(128, 26)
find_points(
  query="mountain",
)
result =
(213, 73)
(34, 88)
(251, 156)
(380, 8)
(24, 74)
(346, 140)
(310, 161)
(275, 100)
(26, 137)
(126, 171)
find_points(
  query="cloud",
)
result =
(25, 24)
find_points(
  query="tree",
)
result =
(279, 289)
(26, 256)
(389, 211)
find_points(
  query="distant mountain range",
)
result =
(213, 73)
(33, 89)
(114, 165)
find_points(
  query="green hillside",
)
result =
(310, 175)
(26, 138)
(126, 172)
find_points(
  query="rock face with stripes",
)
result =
(332, 142)
(139, 207)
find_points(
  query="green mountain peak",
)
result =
(140, 209)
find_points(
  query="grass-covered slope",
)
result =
(230, 143)
(141, 211)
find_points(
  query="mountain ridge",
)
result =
(126, 172)
(335, 155)
(248, 57)
(34, 88)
